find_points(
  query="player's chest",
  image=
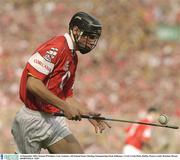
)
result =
(66, 65)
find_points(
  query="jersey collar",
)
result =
(69, 41)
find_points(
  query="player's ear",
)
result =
(75, 30)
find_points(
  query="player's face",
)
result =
(88, 40)
(85, 42)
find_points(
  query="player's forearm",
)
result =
(74, 102)
(37, 88)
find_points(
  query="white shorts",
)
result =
(129, 149)
(33, 130)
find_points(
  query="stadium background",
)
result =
(135, 65)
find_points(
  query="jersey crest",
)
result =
(50, 54)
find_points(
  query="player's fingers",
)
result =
(94, 114)
(101, 127)
(76, 118)
(94, 123)
(79, 116)
(107, 124)
(68, 116)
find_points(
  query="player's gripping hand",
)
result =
(99, 125)
(72, 113)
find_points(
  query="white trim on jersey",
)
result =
(69, 41)
(40, 64)
(147, 133)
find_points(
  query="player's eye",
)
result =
(92, 36)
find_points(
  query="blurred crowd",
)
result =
(129, 71)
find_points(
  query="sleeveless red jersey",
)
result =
(54, 63)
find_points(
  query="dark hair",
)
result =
(152, 110)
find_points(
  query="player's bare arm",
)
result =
(99, 125)
(37, 88)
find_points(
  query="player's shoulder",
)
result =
(54, 46)
(59, 38)
(58, 41)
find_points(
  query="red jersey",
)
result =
(54, 63)
(138, 133)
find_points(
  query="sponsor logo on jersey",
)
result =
(40, 64)
(50, 54)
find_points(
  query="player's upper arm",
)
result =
(43, 61)
(40, 64)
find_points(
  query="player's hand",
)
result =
(72, 113)
(99, 125)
